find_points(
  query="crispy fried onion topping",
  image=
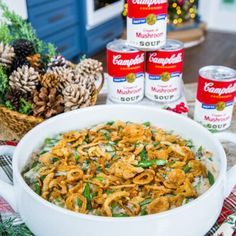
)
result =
(119, 169)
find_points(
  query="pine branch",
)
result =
(3, 83)
(25, 107)
(8, 105)
(7, 227)
(20, 29)
(5, 35)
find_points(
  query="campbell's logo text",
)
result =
(209, 87)
(117, 60)
(174, 59)
(148, 2)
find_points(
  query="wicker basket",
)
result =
(19, 124)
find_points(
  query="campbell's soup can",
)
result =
(164, 70)
(147, 23)
(125, 66)
(215, 97)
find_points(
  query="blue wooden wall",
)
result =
(63, 22)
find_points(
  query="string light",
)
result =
(174, 5)
(181, 11)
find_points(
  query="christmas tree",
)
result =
(182, 11)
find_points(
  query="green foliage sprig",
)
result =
(25, 107)
(3, 83)
(5, 35)
(20, 29)
(8, 105)
(7, 227)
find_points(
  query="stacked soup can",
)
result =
(215, 97)
(147, 63)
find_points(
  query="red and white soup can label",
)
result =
(147, 23)
(164, 69)
(125, 66)
(215, 97)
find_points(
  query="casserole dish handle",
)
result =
(231, 175)
(7, 189)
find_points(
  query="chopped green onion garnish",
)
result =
(99, 169)
(54, 159)
(58, 199)
(147, 124)
(200, 149)
(47, 140)
(145, 202)
(114, 205)
(79, 202)
(143, 212)
(76, 156)
(110, 122)
(190, 144)
(119, 215)
(143, 154)
(99, 178)
(156, 144)
(112, 143)
(160, 162)
(35, 164)
(145, 163)
(149, 163)
(105, 133)
(42, 177)
(37, 188)
(211, 178)
(87, 192)
(109, 191)
(187, 168)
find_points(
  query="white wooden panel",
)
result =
(19, 6)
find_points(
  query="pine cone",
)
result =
(66, 76)
(85, 82)
(18, 62)
(89, 68)
(46, 103)
(50, 80)
(14, 97)
(25, 79)
(7, 55)
(75, 97)
(58, 61)
(35, 61)
(23, 47)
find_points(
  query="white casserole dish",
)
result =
(46, 219)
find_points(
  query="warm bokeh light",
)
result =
(180, 11)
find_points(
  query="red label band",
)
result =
(160, 61)
(212, 92)
(142, 8)
(120, 64)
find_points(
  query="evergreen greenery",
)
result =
(25, 107)
(12, 28)
(3, 83)
(8, 228)
(20, 29)
(5, 35)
